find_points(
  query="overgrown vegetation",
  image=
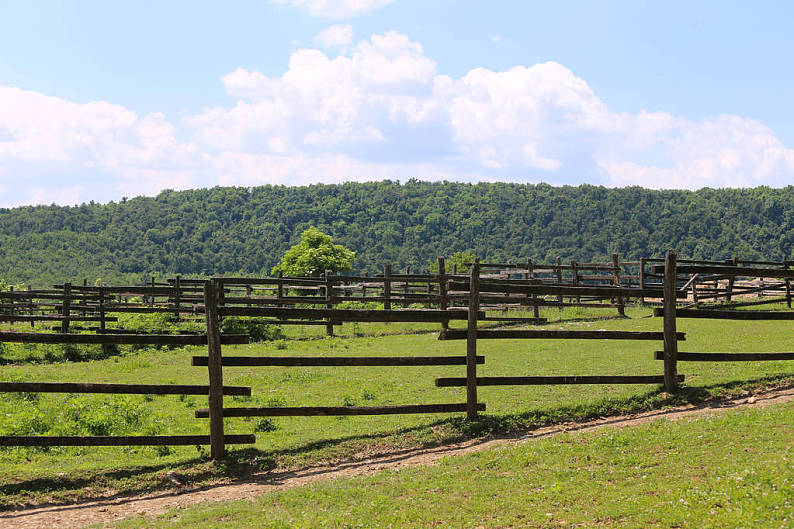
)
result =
(76, 415)
(247, 230)
(257, 330)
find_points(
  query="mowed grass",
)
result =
(64, 474)
(730, 470)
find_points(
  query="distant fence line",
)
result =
(682, 287)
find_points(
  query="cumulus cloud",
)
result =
(384, 102)
(335, 9)
(55, 150)
(338, 36)
(379, 110)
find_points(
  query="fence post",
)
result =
(429, 303)
(329, 302)
(616, 271)
(471, 341)
(101, 309)
(788, 283)
(730, 262)
(11, 301)
(102, 324)
(442, 291)
(387, 287)
(531, 275)
(406, 289)
(66, 306)
(215, 365)
(642, 278)
(31, 310)
(670, 339)
(575, 272)
(177, 296)
(280, 288)
(559, 280)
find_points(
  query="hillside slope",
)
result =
(229, 230)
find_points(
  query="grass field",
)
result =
(733, 470)
(30, 476)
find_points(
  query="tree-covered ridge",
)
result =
(247, 230)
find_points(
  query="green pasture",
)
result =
(729, 470)
(30, 476)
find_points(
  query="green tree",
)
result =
(313, 255)
(461, 259)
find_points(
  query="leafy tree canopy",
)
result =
(241, 230)
(458, 261)
(314, 254)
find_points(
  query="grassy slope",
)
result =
(733, 470)
(62, 474)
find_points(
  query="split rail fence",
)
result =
(81, 316)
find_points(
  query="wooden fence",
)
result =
(435, 298)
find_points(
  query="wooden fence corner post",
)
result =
(670, 338)
(471, 341)
(217, 449)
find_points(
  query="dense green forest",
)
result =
(246, 230)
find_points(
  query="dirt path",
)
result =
(118, 508)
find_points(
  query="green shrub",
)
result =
(257, 330)
(265, 425)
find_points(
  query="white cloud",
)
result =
(337, 36)
(59, 151)
(379, 110)
(385, 102)
(335, 9)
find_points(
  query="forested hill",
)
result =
(246, 230)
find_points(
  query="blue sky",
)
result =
(100, 100)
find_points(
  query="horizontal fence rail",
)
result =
(119, 440)
(305, 411)
(552, 380)
(130, 389)
(331, 361)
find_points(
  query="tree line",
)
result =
(227, 230)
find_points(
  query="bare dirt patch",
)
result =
(108, 510)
